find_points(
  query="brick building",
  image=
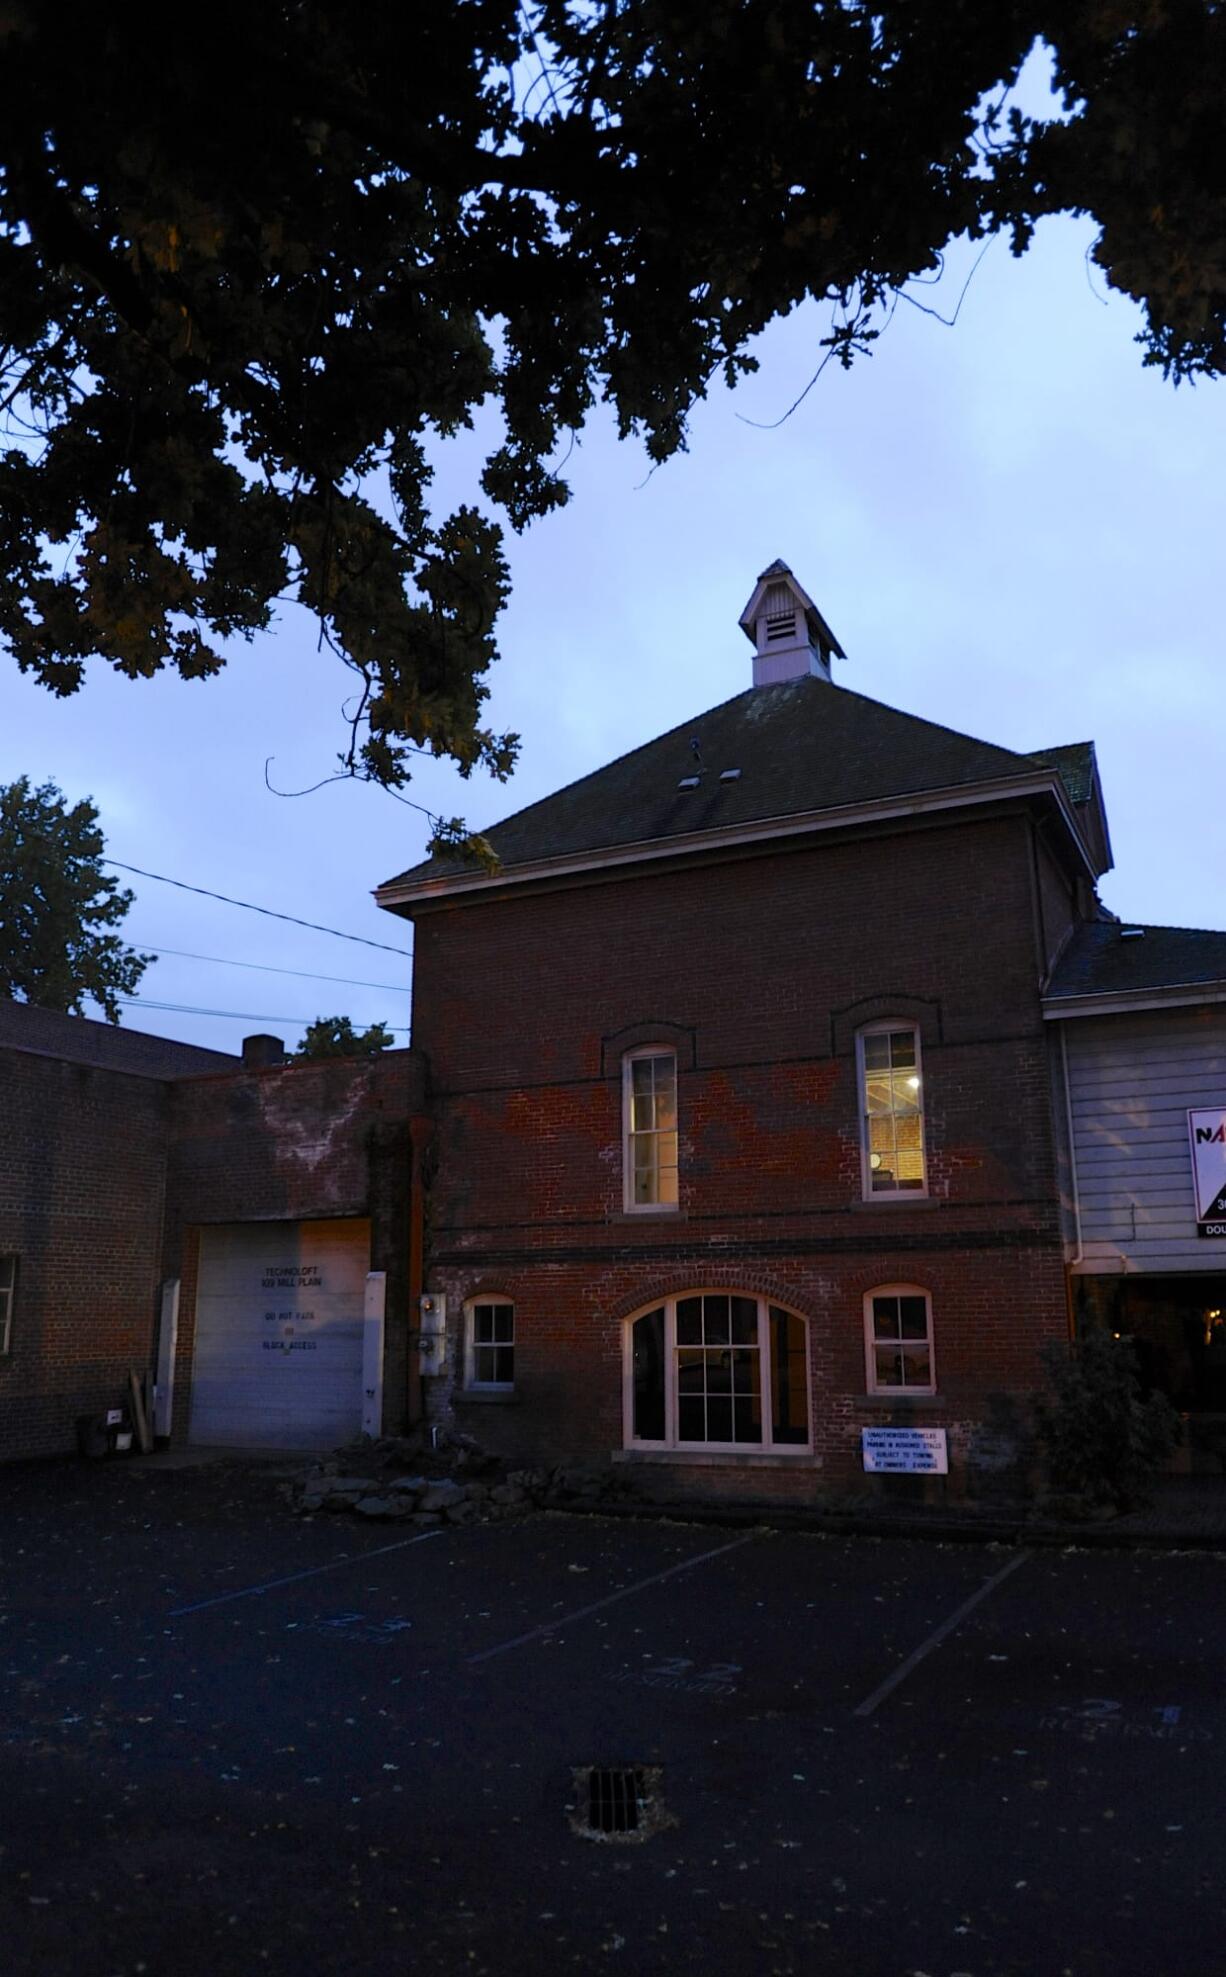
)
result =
(788, 1088)
(746, 1131)
(234, 1226)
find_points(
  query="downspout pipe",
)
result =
(1078, 1255)
(421, 1131)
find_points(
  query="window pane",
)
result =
(648, 1357)
(877, 1052)
(746, 1418)
(905, 1093)
(910, 1170)
(916, 1366)
(504, 1323)
(715, 1320)
(913, 1314)
(689, 1321)
(879, 1094)
(666, 1095)
(789, 1393)
(889, 1366)
(719, 1420)
(691, 1371)
(504, 1365)
(885, 1318)
(484, 1362)
(902, 1049)
(691, 1420)
(666, 1192)
(745, 1321)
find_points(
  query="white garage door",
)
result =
(278, 1353)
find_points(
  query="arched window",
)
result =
(891, 1110)
(898, 1348)
(717, 1370)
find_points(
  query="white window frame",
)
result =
(8, 1294)
(747, 1451)
(632, 1057)
(471, 1382)
(889, 1026)
(871, 1342)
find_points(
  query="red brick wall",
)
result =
(759, 971)
(81, 1183)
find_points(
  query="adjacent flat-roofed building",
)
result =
(240, 1231)
(1138, 1015)
(746, 1133)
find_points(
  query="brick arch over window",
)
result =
(679, 1037)
(846, 1023)
(717, 1370)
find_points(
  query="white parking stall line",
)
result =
(598, 1605)
(942, 1633)
(313, 1572)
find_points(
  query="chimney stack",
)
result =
(261, 1051)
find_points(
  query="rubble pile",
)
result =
(455, 1483)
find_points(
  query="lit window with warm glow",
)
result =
(892, 1110)
(649, 1109)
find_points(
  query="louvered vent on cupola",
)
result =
(790, 637)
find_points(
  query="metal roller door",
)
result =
(278, 1351)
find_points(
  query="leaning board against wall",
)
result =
(278, 1336)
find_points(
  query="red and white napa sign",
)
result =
(1207, 1134)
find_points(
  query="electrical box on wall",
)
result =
(432, 1331)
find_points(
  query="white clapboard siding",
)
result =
(277, 1359)
(1131, 1086)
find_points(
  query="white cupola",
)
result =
(789, 635)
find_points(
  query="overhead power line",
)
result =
(235, 1015)
(266, 967)
(267, 911)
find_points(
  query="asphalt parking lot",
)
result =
(233, 1742)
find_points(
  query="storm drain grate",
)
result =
(618, 1802)
(613, 1798)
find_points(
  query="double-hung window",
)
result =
(891, 1110)
(649, 1129)
(8, 1286)
(898, 1340)
(490, 1345)
(714, 1370)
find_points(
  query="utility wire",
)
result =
(268, 911)
(264, 967)
(237, 1015)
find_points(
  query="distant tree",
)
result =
(335, 1036)
(56, 903)
(253, 264)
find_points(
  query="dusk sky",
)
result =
(1012, 526)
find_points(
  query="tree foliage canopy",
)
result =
(335, 1036)
(254, 264)
(56, 904)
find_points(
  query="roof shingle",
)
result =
(801, 746)
(79, 1040)
(1100, 961)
